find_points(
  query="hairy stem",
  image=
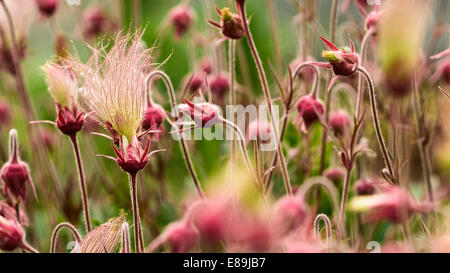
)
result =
(327, 223)
(231, 73)
(173, 105)
(348, 174)
(56, 231)
(376, 122)
(138, 238)
(83, 187)
(125, 239)
(360, 90)
(265, 86)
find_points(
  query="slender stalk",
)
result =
(323, 147)
(423, 148)
(275, 33)
(184, 147)
(376, 122)
(288, 109)
(138, 238)
(362, 56)
(56, 231)
(83, 187)
(125, 239)
(348, 174)
(327, 222)
(231, 73)
(265, 86)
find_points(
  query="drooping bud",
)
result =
(290, 212)
(10, 213)
(153, 119)
(47, 7)
(309, 109)
(259, 130)
(181, 237)
(96, 23)
(105, 238)
(335, 174)
(207, 66)
(16, 173)
(203, 114)
(230, 24)
(11, 234)
(181, 18)
(131, 157)
(219, 85)
(69, 122)
(372, 20)
(196, 82)
(365, 187)
(211, 222)
(339, 122)
(344, 61)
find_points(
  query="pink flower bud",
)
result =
(11, 234)
(181, 18)
(230, 24)
(203, 114)
(335, 174)
(207, 66)
(219, 85)
(8, 212)
(196, 82)
(15, 173)
(259, 130)
(153, 119)
(290, 212)
(69, 122)
(309, 108)
(339, 121)
(181, 237)
(372, 20)
(96, 23)
(365, 187)
(47, 7)
(344, 61)
(211, 222)
(132, 158)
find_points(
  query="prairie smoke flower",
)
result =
(290, 213)
(365, 187)
(22, 15)
(47, 7)
(181, 18)
(206, 66)
(104, 238)
(343, 61)
(196, 83)
(394, 204)
(335, 174)
(309, 109)
(96, 23)
(11, 234)
(203, 114)
(230, 24)
(181, 236)
(339, 122)
(16, 173)
(153, 119)
(113, 84)
(219, 85)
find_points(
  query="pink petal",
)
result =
(329, 44)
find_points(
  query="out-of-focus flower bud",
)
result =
(96, 23)
(309, 109)
(181, 237)
(181, 18)
(203, 114)
(365, 187)
(219, 85)
(290, 212)
(259, 130)
(47, 7)
(5, 113)
(10, 213)
(153, 119)
(11, 234)
(335, 174)
(339, 121)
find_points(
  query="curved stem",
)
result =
(28, 248)
(83, 187)
(138, 238)
(231, 72)
(327, 222)
(314, 89)
(56, 231)
(323, 147)
(173, 105)
(265, 86)
(362, 54)
(376, 122)
(344, 200)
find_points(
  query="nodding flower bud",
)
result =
(11, 234)
(344, 61)
(5, 113)
(69, 122)
(10, 213)
(96, 23)
(207, 66)
(365, 187)
(181, 236)
(153, 119)
(290, 212)
(339, 121)
(230, 24)
(219, 85)
(335, 174)
(203, 114)
(196, 82)
(309, 109)
(47, 7)
(181, 18)
(15, 173)
(259, 130)
(372, 20)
